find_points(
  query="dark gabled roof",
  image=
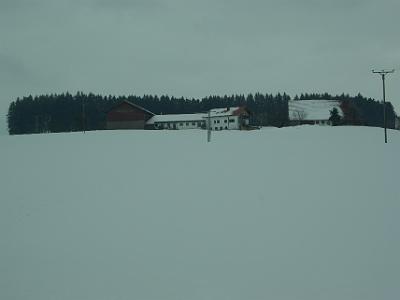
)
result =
(131, 104)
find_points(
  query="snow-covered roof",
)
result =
(215, 112)
(176, 118)
(134, 105)
(309, 110)
(220, 112)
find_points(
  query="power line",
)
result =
(383, 74)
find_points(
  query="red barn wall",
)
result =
(126, 116)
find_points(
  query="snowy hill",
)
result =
(294, 213)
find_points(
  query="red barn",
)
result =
(127, 115)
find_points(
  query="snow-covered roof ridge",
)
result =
(176, 118)
(215, 112)
(223, 111)
(313, 109)
(134, 105)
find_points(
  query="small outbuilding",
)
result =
(127, 115)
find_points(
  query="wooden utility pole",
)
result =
(383, 74)
(83, 116)
(209, 126)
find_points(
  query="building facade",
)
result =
(127, 115)
(235, 118)
(178, 121)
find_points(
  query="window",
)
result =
(216, 128)
(193, 124)
(221, 128)
(218, 121)
(215, 121)
(187, 123)
(225, 121)
(231, 120)
(226, 127)
(180, 124)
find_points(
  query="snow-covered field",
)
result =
(295, 213)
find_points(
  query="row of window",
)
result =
(181, 124)
(322, 122)
(194, 124)
(225, 121)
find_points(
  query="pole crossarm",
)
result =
(383, 72)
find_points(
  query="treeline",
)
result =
(369, 112)
(66, 112)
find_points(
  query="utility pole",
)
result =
(36, 124)
(209, 126)
(83, 115)
(383, 74)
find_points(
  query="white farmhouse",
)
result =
(234, 118)
(312, 111)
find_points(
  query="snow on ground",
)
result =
(294, 213)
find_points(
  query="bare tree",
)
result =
(299, 115)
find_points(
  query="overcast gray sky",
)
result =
(197, 48)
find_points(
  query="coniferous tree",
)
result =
(334, 116)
